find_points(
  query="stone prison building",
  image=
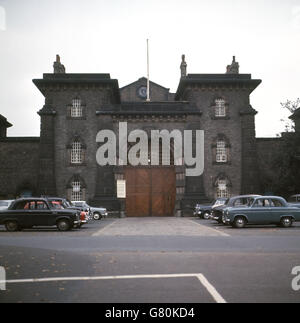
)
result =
(62, 160)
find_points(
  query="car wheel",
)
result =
(286, 222)
(12, 226)
(206, 215)
(220, 220)
(239, 222)
(97, 216)
(63, 225)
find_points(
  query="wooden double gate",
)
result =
(150, 191)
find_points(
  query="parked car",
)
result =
(263, 210)
(294, 200)
(27, 213)
(204, 210)
(236, 201)
(4, 204)
(65, 203)
(97, 213)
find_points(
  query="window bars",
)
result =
(221, 155)
(222, 190)
(76, 194)
(220, 110)
(76, 153)
(76, 109)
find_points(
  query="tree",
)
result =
(291, 106)
(286, 162)
(286, 165)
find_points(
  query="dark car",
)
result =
(4, 204)
(84, 212)
(203, 211)
(236, 201)
(263, 210)
(27, 213)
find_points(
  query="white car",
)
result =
(97, 213)
(5, 204)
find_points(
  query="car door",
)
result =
(17, 213)
(277, 210)
(41, 215)
(260, 212)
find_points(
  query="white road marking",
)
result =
(213, 230)
(209, 287)
(99, 232)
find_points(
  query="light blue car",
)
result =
(97, 213)
(263, 210)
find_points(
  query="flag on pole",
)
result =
(148, 80)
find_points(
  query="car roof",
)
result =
(31, 198)
(244, 196)
(55, 198)
(272, 197)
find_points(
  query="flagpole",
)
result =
(148, 80)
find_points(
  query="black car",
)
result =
(236, 201)
(203, 211)
(65, 203)
(27, 213)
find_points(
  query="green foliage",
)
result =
(285, 167)
(291, 106)
(282, 175)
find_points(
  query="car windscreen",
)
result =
(70, 203)
(226, 202)
(220, 202)
(56, 205)
(241, 201)
(4, 203)
(78, 204)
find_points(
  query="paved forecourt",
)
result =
(164, 226)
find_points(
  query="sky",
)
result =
(109, 36)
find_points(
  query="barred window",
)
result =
(76, 109)
(220, 110)
(76, 153)
(221, 155)
(222, 189)
(76, 194)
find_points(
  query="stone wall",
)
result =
(131, 92)
(230, 127)
(266, 147)
(19, 160)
